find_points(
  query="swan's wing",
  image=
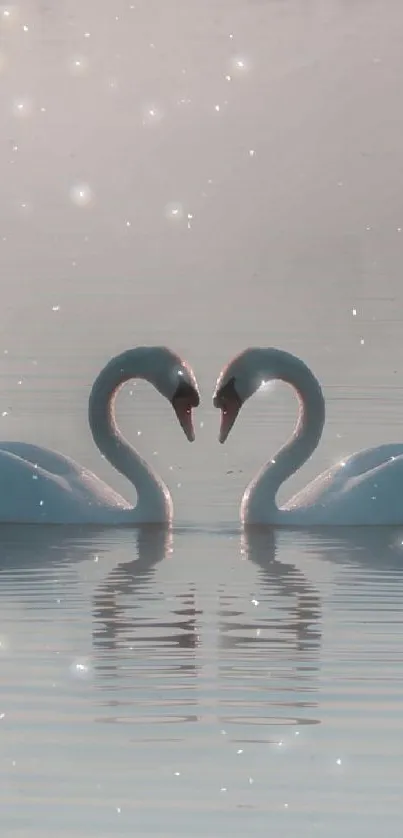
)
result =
(79, 479)
(30, 493)
(367, 489)
(25, 491)
(373, 497)
(51, 461)
(92, 489)
(338, 480)
(370, 458)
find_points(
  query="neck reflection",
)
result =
(125, 626)
(271, 658)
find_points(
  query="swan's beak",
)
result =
(227, 399)
(228, 416)
(183, 410)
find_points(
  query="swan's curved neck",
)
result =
(263, 489)
(153, 497)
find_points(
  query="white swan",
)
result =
(42, 486)
(367, 488)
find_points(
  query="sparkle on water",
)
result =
(174, 210)
(78, 65)
(152, 115)
(9, 13)
(239, 65)
(22, 107)
(81, 194)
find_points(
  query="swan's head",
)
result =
(185, 398)
(167, 372)
(237, 383)
(257, 368)
(175, 380)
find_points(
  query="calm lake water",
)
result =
(209, 176)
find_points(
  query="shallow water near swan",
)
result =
(208, 176)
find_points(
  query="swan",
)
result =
(44, 487)
(365, 489)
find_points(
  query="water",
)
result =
(201, 682)
(194, 682)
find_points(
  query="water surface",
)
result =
(169, 682)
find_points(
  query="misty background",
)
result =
(207, 176)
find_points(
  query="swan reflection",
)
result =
(123, 630)
(35, 546)
(37, 562)
(271, 660)
(173, 643)
(367, 563)
(139, 642)
(301, 625)
(373, 548)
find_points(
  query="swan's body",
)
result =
(42, 486)
(365, 489)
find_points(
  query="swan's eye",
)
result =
(187, 394)
(221, 403)
(227, 396)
